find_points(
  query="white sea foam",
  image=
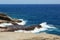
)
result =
(44, 25)
(5, 24)
(8, 24)
(22, 23)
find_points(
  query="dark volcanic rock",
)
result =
(5, 18)
(13, 28)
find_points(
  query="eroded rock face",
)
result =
(7, 19)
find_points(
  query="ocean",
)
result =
(35, 14)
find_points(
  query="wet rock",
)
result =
(7, 19)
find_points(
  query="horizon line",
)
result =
(38, 4)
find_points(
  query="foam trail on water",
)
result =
(45, 27)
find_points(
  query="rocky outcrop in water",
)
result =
(7, 19)
(13, 24)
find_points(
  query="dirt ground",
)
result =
(27, 36)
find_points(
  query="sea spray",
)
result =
(5, 24)
(45, 27)
(8, 24)
(22, 23)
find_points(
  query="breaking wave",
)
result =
(8, 24)
(23, 22)
(48, 28)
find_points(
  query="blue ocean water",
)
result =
(34, 13)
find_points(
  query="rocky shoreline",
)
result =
(4, 35)
(11, 25)
(4, 18)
